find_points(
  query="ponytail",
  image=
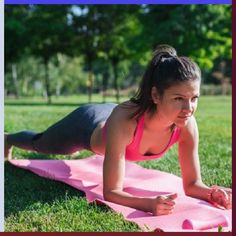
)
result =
(164, 70)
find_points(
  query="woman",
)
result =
(143, 128)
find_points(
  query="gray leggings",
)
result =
(70, 134)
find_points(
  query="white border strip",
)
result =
(1, 115)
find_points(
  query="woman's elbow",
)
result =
(107, 195)
(187, 192)
(110, 195)
(188, 189)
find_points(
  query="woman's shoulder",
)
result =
(190, 130)
(121, 116)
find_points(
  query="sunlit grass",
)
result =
(37, 204)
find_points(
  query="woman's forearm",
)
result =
(126, 199)
(198, 190)
(218, 196)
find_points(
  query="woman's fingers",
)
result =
(163, 209)
(224, 194)
(229, 190)
(223, 197)
(164, 212)
(172, 196)
(165, 204)
(169, 203)
(228, 201)
(169, 199)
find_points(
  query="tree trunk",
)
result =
(58, 89)
(15, 79)
(225, 84)
(89, 86)
(25, 87)
(47, 83)
(90, 83)
(104, 85)
(116, 85)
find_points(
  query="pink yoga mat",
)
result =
(190, 214)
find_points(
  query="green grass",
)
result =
(33, 203)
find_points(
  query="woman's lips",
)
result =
(183, 117)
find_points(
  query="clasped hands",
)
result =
(220, 197)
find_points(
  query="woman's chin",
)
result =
(181, 123)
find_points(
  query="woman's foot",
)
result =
(7, 149)
(75, 154)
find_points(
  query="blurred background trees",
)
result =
(74, 49)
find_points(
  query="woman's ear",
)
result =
(155, 96)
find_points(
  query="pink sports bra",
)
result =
(132, 150)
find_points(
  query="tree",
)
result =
(49, 34)
(201, 31)
(16, 39)
(123, 28)
(85, 24)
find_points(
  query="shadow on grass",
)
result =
(23, 189)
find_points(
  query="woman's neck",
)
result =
(154, 122)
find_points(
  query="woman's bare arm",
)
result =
(119, 134)
(189, 161)
(190, 165)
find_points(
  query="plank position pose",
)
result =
(143, 128)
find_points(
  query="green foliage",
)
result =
(220, 228)
(48, 30)
(201, 31)
(15, 32)
(113, 43)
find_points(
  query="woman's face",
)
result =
(178, 103)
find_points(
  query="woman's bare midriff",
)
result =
(96, 142)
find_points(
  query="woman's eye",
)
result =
(178, 99)
(194, 99)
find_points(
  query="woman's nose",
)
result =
(187, 106)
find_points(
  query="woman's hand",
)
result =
(222, 196)
(163, 205)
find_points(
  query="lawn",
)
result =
(33, 203)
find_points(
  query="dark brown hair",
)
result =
(163, 71)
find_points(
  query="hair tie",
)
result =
(164, 59)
